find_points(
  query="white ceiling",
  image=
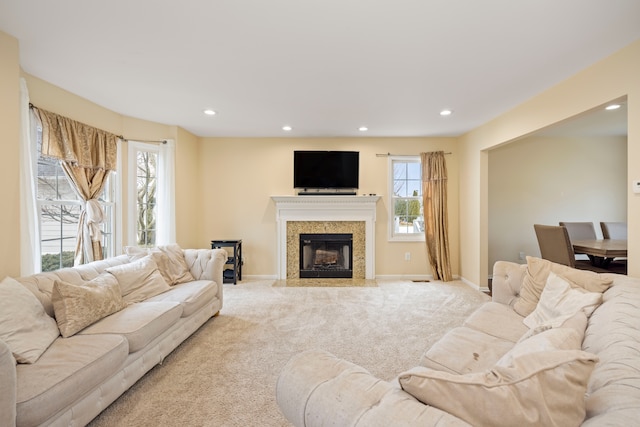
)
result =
(325, 67)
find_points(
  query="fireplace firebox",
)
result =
(326, 255)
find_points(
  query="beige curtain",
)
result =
(87, 155)
(436, 228)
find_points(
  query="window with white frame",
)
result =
(406, 220)
(151, 193)
(59, 209)
(143, 193)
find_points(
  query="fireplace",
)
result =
(326, 255)
(325, 214)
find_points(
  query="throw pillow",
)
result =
(577, 322)
(540, 388)
(548, 340)
(177, 268)
(536, 277)
(24, 325)
(78, 306)
(170, 260)
(559, 302)
(139, 280)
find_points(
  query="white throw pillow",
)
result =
(548, 340)
(170, 260)
(78, 306)
(559, 301)
(537, 389)
(139, 280)
(536, 276)
(24, 325)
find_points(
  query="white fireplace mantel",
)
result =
(326, 208)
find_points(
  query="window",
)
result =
(59, 208)
(151, 193)
(143, 190)
(405, 188)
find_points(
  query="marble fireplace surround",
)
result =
(340, 214)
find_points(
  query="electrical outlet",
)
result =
(521, 256)
(407, 256)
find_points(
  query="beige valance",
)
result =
(77, 143)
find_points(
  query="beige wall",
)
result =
(240, 176)
(545, 180)
(189, 191)
(10, 171)
(612, 78)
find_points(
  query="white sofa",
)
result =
(79, 376)
(474, 374)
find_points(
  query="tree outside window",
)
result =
(146, 191)
(144, 187)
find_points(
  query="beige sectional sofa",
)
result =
(90, 363)
(554, 346)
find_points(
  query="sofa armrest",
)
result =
(7, 386)
(316, 388)
(506, 282)
(207, 264)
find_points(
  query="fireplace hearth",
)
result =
(326, 255)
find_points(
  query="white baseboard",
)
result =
(250, 277)
(421, 277)
(472, 285)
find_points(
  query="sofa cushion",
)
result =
(139, 279)
(559, 302)
(540, 388)
(41, 285)
(93, 269)
(170, 260)
(551, 339)
(24, 325)
(536, 278)
(139, 323)
(192, 296)
(68, 370)
(498, 320)
(77, 307)
(613, 395)
(463, 350)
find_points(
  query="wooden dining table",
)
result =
(601, 251)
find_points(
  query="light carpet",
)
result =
(225, 373)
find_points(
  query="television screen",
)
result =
(326, 169)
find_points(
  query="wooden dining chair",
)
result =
(555, 246)
(614, 230)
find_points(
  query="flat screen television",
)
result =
(330, 170)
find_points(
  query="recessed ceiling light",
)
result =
(287, 128)
(446, 112)
(363, 128)
(612, 107)
(209, 112)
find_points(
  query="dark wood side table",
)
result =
(235, 260)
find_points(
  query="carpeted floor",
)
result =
(225, 374)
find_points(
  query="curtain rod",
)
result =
(399, 155)
(162, 141)
(151, 141)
